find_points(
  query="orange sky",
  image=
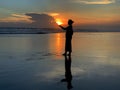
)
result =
(82, 12)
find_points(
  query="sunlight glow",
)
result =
(59, 22)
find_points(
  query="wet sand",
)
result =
(35, 62)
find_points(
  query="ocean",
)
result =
(35, 61)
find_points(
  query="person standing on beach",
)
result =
(69, 33)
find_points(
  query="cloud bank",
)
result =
(41, 20)
(28, 20)
(94, 1)
(16, 18)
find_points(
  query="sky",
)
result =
(90, 14)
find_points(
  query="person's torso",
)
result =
(69, 31)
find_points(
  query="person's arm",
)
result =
(62, 27)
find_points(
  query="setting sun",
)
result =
(59, 22)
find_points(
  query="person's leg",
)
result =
(64, 53)
(69, 53)
(70, 46)
(66, 42)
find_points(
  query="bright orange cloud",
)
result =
(95, 2)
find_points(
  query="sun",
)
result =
(59, 21)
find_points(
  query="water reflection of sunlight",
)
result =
(58, 40)
(56, 44)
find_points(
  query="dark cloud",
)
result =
(42, 20)
(39, 21)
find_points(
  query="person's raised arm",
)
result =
(62, 27)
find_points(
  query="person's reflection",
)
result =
(68, 74)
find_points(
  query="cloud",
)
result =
(94, 1)
(51, 13)
(42, 20)
(28, 20)
(16, 18)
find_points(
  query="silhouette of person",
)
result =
(68, 74)
(69, 33)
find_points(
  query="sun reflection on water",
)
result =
(56, 44)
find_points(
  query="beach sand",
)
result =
(35, 62)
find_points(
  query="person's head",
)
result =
(70, 22)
